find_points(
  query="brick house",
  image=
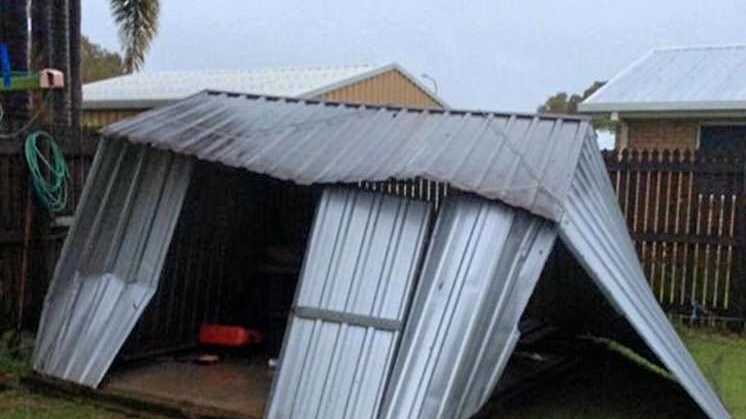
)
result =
(678, 98)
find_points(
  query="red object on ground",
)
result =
(233, 336)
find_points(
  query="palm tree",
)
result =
(138, 25)
(56, 39)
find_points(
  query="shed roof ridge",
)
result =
(700, 47)
(393, 108)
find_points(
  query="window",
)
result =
(723, 138)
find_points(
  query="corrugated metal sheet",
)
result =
(595, 231)
(527, 161)
(481, 268)
(677, 79)
(358, 275)
(111, 261)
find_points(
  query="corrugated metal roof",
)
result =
(482, 266)
(359, 272)
(525, 160)
(677, 79)
(594, 229)
(111, 262)
(149, 90)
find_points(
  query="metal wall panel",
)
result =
(594, 229)
(483, 263)
(111, 260)
(358, 275)
(524, 160)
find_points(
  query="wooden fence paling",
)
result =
(46, 239)
(686, 212)
(738, 277)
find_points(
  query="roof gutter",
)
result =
(694, 106)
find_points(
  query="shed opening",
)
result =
(234, 260)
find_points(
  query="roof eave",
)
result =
(698, 106)
(132, 104)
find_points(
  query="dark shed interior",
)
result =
(234, 259)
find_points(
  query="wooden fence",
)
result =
(31, 239)
(686, 213)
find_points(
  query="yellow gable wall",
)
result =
(389, 88)
(104, 117)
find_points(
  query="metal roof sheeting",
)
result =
(677, 79)
(148, 90)
(527, 161)
(145, 90)
(111, 262)
(482, 266)
(594, 229)
(358, 275)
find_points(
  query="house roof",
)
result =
(707, 78)
(525, 160)
(148, 90)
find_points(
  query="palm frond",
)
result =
(138, 24)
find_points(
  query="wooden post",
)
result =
(25, 258)
(738, 287)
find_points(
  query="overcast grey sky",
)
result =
(496, 55)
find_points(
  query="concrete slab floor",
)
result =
(232, 387)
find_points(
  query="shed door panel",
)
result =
(111, 261)
(481, 268)
(358, 275)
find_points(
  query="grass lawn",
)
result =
(610, 386)
(22, 404)
(723, 361)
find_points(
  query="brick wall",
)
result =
(662, 134)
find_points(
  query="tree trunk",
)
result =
(40, 41)
(14, 26)
(76, 92)
(40, 35)
(60, 59)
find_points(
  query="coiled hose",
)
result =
(51, 190)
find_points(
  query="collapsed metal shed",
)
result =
(524, 180)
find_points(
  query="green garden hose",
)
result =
(50, 190)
